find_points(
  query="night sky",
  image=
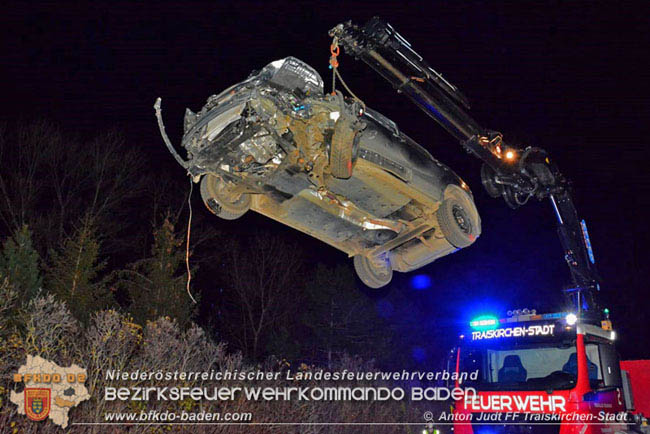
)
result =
(568, 77)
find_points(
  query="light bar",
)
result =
(487, 322)
(484, 322)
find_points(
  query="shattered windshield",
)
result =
(548, 366)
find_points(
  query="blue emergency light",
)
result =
(585, 236)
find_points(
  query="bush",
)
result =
(113, 341)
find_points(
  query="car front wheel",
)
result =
(220, 202)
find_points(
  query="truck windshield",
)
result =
(547, 366)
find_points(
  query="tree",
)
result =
(50, 181)
(19, 263)
(261, 291)
(73, 274)
(340, 317)
(8, 306)
(156, 285)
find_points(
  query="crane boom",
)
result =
(509, 172)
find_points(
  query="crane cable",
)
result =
(334, 63)
(335, 50)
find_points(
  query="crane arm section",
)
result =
(509, 172)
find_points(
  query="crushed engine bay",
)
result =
(328, 166)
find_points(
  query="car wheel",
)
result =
(373, 275)
(219, 202)
(458, 218)
(342, 149)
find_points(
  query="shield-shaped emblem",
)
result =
(37, 403)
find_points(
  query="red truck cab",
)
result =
(551, 373)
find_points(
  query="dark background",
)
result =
(568, 77)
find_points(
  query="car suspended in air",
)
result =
(327, 166)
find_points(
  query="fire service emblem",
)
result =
(37, 403)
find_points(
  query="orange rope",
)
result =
(187, 244)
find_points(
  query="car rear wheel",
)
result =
(373, 274)
(342, 149)
(220, 202)
(458, 218)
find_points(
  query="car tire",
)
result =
(458, 218)
(220, 205)
(342, 149)
(373, 275)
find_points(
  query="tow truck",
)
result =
(556, 372)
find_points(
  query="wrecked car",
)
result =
(327, 166)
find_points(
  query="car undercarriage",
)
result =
(327, 166)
